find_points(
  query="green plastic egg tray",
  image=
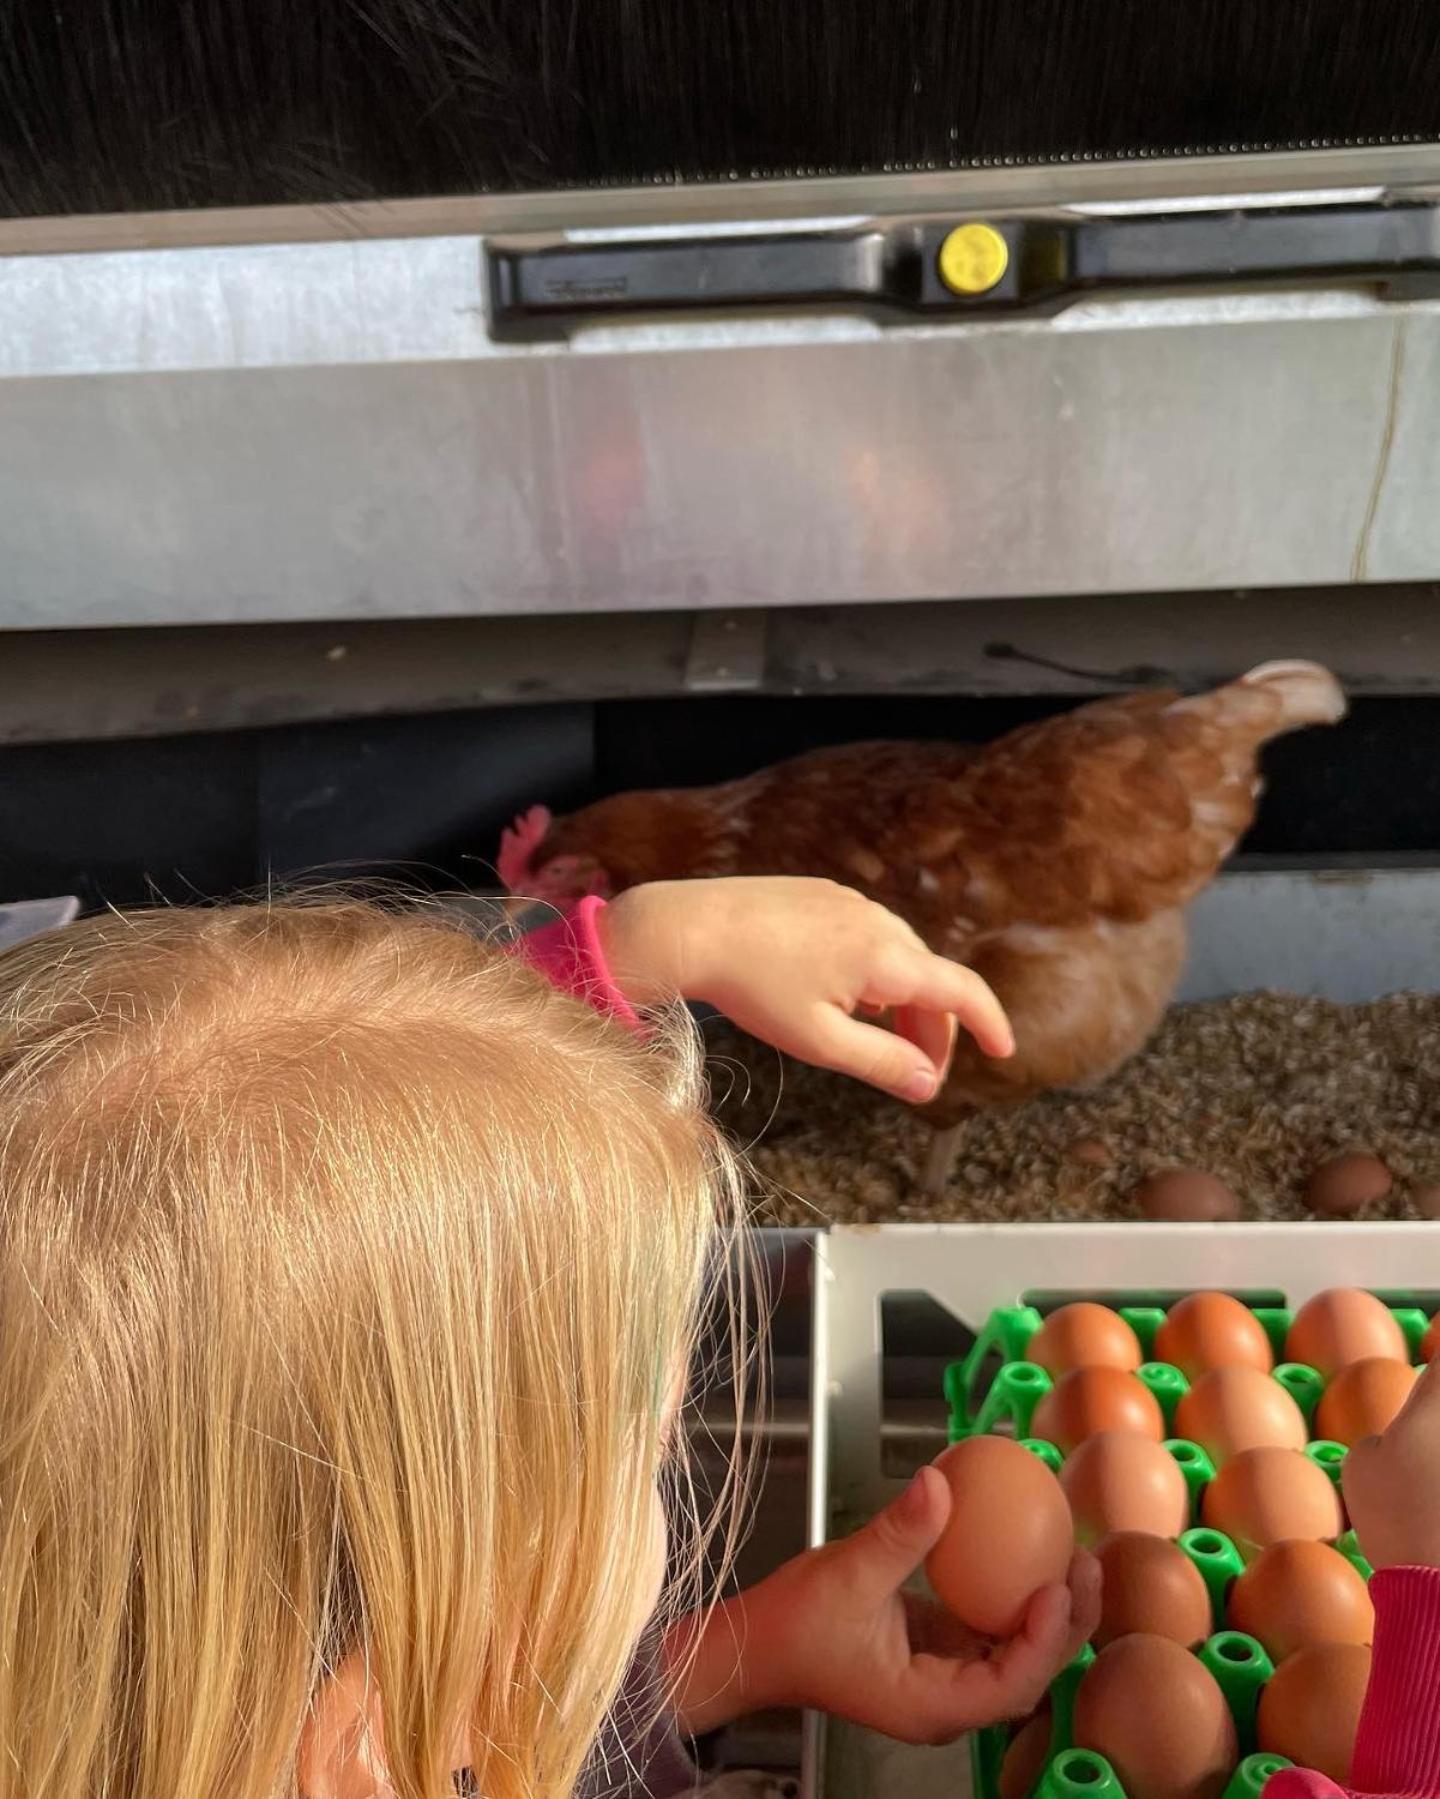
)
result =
(1239, 1664)
(1018, 1386)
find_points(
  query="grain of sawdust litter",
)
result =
(1258, 1089)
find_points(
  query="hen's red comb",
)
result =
(518, 846)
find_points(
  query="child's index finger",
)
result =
(950, 987)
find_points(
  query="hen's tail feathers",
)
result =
(1308, 694)
(1272, 700)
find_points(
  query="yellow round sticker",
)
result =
(973, 259)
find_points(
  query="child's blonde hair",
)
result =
(346, 1271)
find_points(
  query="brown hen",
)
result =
(1056, 862)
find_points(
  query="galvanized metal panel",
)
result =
(1347, 934)
(324, 431)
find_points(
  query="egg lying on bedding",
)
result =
(1212, 1330)
(1008, 1534)
(1363, 1399)
(1119, 1481)
(1087, 1401)
(1344, 1325)
(1265, 1496)
(1231, 1409)
(1155, 1712)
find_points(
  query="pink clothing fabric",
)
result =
(1397, 1752)
(570, 956)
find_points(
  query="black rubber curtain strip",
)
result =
(151, 104)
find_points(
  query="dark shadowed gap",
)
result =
(212, 813)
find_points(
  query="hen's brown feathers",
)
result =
(1057, 861)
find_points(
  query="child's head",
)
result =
(346, 1274)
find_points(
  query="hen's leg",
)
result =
(940, 1163)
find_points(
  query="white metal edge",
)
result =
(812, 1739)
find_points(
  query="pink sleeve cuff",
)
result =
(1302, 1783)
(1398, 1748)
(569, 955)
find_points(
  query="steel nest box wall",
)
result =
(1204, 374)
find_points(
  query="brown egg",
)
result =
(1347, 1184)
(1186, 1196)
(1343, 1325)
(1091, 1152)
(1426, 1201)
(1362, 1399)
(1212, 1330)
(1156, 1714)
(1230, 1409)
(1088, 1400)
(1008, 1534)
(1310, 1709)
(1026, 1757)
(1120, 1481)
(1431, 1340)
(1296, 1594)
(1151, 1586)
(1265, 1496)
(1084, 1336)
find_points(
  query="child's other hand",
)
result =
(793, 962)
(1392, 1484)
(833, 1630)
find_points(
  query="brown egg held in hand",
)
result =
(1026, 1757)
(1212, 1330)
(1157, 1716)
(1296, 1594)
(1363, 1399)
(1266, 1496)
(1151, 1586)
(1088, 1400)
(1348, 1184)
(1186, 1196)
(1310, 1708)
(1344, 1325)
(1008, 1534)
(1231, 1409)
(1084, 1336)
(1119, 1481)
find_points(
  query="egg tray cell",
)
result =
(1239, 1664)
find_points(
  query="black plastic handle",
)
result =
(546, 287)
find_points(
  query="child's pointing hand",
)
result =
(799, 964)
